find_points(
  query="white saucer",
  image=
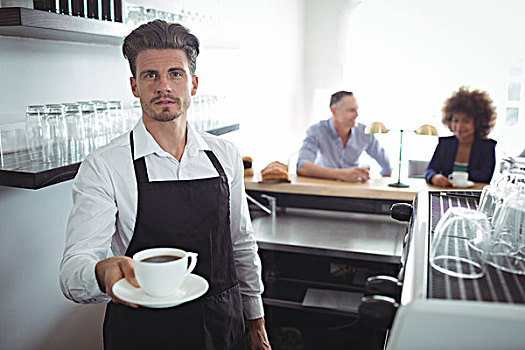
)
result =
(465, 185)
(191, 288)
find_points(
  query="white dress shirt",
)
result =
(102, 220)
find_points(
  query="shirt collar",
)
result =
(145, 144)
(334, 131)
(332, 126)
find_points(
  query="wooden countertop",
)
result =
(376, 188)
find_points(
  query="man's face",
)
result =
(346, 113)
(163, 83)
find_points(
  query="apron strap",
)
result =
(217, 165)
(141, 173)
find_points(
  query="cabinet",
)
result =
(315, 266)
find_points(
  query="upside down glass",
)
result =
(75, 142)
(116, 118)
(459, 242)
(507, 250)
(34, 131)
(55, 134)
(490, 198)
(102, 125)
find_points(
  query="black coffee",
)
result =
(161, 258)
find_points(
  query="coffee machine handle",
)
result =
(378, 311)
(401, 211)
(384, 285)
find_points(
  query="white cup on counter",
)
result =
(160, 271)
(459, 178)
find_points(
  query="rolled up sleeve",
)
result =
(308, 151)
(90, 228)
(248, 263)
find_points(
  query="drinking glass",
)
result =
(34, 131)
(13, 146)
(460, 240)
(163, 15)
(93, 132)
(507, 250)
(136, 114)
(102, 124)
(55, 134)
(149, 14)
(116, 118)
(76, 143)
(195, 113)
(490, 198)
(134, 14)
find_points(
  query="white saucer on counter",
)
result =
(191, 288)
(465, 185)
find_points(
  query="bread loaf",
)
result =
(275, 172)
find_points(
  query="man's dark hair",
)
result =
(160, 35)
(338, 96)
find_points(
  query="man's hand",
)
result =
(109, 271)
(441, 181)
(354, 174)
(257, 337)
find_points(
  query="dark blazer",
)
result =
(480, 165)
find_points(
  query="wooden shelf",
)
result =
(30, 23)
(22, 173)
(224, 129)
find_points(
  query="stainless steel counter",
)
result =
(369, 237)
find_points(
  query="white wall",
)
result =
(268, 77)
(34, 314)
(411, 55)
(37, 71)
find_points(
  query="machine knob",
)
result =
(384, 285)
(378, 311)
(401, 211)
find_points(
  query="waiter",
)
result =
(165, 184)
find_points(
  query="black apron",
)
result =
(193, 215)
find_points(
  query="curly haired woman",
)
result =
(471, 116)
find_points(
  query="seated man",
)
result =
(332, 147)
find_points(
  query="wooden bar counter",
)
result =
(372, 196)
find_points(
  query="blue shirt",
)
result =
(324, 147)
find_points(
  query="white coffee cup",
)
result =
(459, 178)
(160, 271)
(364, 166)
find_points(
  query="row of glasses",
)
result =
(207, 112)
(504, 198)
(65, 133)
(466, 240)
(136, 15)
